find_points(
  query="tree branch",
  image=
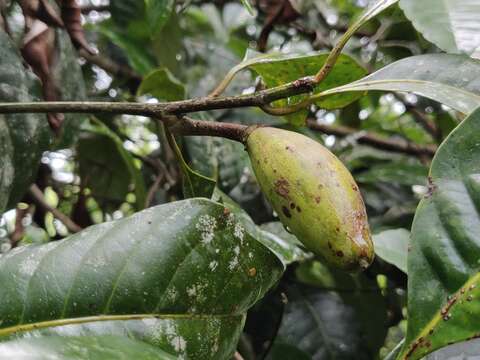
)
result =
(38, 198)
(187, 126)
(375, 140)
(259, 99)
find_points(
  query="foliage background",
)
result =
(108, 167)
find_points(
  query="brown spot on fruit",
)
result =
(339, 253)
(299, 209)
(329, 244)
(286, 212)
(317, 199)
(282, 187)
(292, 205)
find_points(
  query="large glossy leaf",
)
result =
(443, 264)
(188, 261)
(23, 137)
(81, 348)
(449, 79)
(452, 25)
(338, 316)
(280, 70)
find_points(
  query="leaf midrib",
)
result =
(103, 318)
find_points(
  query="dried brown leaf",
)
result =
(71, 15)
(38, 50)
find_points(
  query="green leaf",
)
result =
(443, 265)
(81, 348)
(168, 44)
(376, 8)
(392, 246)
(124, 11)
(114, 166)
(278, 229)
(221, 159)
(23, 137)
(193, 183)
(281, 69)
(448, 79)
(138, 56)
(158, 12)
(452, 25)
(196, 185)
(395, 173)
(188, 261)
(340, 317)
(279, 242)
(162, 85)
(202, 155)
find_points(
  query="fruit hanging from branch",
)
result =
(314, 195)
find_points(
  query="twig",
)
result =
(98, 8)
(375, 140)
(39, 199)
(153, 189)
(160, 110)
(187, 126)
(19, 231)
(111, 66)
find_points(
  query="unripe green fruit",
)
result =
(314, 195)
